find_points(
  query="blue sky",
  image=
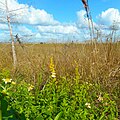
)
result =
(51, 20)
(65, 10)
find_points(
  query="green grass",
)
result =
(60, 99)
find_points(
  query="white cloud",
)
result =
(59, 32)
(58, 29)
(46, 27)
(81, 19)
(109, 16)
(3, 27)
(36, 16)
(4, 37)
(28, 15)
(24, 30)
(38, 35)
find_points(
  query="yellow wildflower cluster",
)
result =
(7, 80)
(100, 98)
(52, 68)
(5, 89)
(30, 87)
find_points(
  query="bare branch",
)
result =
(1, 9)
(16, 9)
(2, 3)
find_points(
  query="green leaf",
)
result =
(58, 116)
(39, 117)
(4, 105)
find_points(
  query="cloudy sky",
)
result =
(56, 20)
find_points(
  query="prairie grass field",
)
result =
(70, 81)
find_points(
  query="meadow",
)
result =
(70, 81)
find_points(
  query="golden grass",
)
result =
(94, 65)
(36, 57)
(101, 66)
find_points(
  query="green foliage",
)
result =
(4, 74)
(6, 111)
(61, 98)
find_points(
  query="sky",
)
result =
(56, 20)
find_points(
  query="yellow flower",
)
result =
(7, 80)
(87, 83)
(30, 87)
(13, 83)
(53, 75)
(52, 68)
(88, 105)
(100, 98)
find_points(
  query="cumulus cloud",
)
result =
(59, 32)
(81, 19)
(36, 16)
(109, 16)
(24, 30)
(28, 14)
(44, 26)
(3, 27)
(60, 29)
(4, 37)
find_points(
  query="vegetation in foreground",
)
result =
(61, 82)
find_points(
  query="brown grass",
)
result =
(101, 66)
(37, 56)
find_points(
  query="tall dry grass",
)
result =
(101, 66)
(35, 57)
